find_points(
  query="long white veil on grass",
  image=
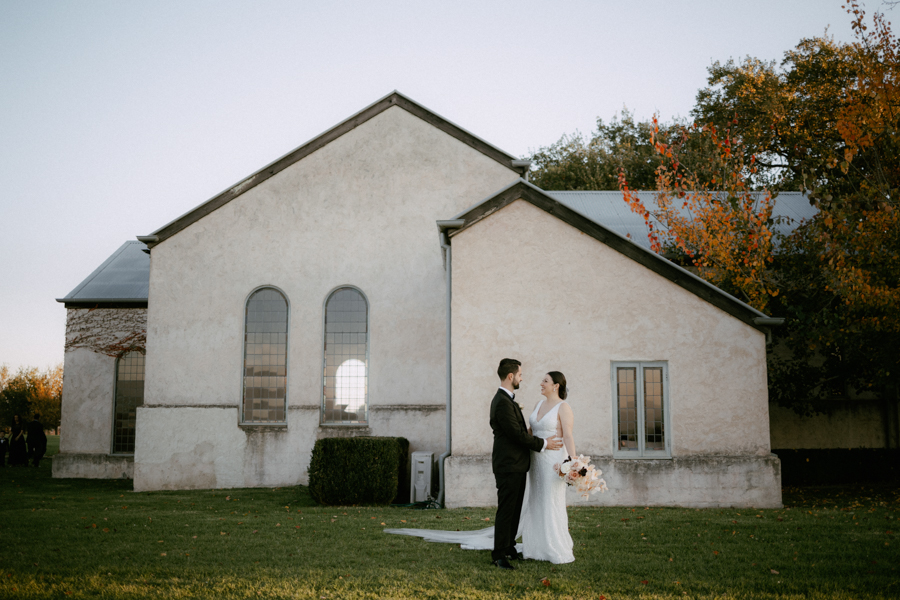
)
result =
(478, 539)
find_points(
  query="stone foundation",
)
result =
(93, 466)
(695, 482)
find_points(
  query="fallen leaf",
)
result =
(545, 582)
(222, 533)
(773, 571)
(162, 553)
(106, 530)
(644, 581)
(716, 552)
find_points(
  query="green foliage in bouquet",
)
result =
(357, 470)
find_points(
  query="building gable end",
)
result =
(393, 99)
(522, 190)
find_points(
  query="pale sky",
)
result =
(116, 117)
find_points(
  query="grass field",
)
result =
(66, 538)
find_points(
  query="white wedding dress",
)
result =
(544, 524)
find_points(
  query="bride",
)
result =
(544, 524)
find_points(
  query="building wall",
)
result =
(89, 377)
(360, 211)
(528, 286)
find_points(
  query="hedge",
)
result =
(359, 470)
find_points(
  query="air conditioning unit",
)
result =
(420, 476)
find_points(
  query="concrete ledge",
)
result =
(93, 466)
(696, 482)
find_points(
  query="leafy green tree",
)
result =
(576, 163)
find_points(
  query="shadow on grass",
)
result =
(97, 538)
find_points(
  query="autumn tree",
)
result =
(708, 211)
(30, 390)
(825, 122)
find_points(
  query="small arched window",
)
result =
(346, 357)
(129, 395)
(265, 357)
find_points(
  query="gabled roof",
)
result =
(393, 99)
(610, 209)
(522, 190)
(122, 279)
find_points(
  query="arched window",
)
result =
(346, 357)
(129, 395)
(265, 357)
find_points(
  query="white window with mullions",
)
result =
(641, 417)
(346, 360)
(265, 358)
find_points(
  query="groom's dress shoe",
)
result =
(516, 556)
(503, 564)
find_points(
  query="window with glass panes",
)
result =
(129, 395)
(640, 393)
(265, 357)
(346, 358)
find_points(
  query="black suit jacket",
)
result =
(512, 443)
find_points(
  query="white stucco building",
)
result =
(373, 278)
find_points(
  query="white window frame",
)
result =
(642, 452)
(241, 420)
(322, 420)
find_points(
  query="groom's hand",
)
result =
(554, 443)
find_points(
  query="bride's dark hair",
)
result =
(559, 378)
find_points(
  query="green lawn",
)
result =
(66, 538)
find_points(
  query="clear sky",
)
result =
(117, 117)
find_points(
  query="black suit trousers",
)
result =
(510, 496)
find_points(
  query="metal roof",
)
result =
(124, 278)
(610, 210)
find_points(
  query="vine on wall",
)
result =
(109, 331)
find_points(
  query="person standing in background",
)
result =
(18, 453)
(37, 441)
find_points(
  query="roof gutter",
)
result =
(766, 324)
(444, 228)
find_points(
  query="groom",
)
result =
(510, 460)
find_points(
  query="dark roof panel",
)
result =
(610, 210)
(123, 278)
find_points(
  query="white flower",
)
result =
(521, 406)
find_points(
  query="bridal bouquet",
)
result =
(580, 473)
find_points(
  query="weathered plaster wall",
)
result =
(849, 424)
(87, 403)
(360, 211)
(528, 286)
(88, 397)
(93, 466)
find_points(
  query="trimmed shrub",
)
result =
(357, 470)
